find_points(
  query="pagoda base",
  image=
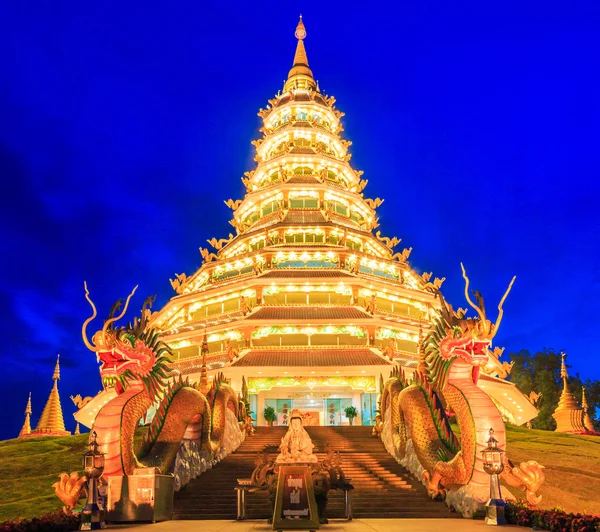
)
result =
(38, 434)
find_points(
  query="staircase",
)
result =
(383, 488)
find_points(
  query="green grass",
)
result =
(572, 467)
(29, 467)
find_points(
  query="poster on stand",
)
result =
(295, 504)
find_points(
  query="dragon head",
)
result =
(456, 337)
(129, 354)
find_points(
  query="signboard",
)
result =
(295, 504)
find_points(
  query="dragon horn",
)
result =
(112, 320)
(87, 343)
(479, 311)
(500, 309)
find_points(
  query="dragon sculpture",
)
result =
(135, 362)
(416, 429)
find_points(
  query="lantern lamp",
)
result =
(92, 515)
(493, 465)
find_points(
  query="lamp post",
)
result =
(92, 515)
(493, 464)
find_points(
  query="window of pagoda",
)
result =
(271, 205)
(392, 304)
(305, 199)
(291, 260)
(301, 114)
(304, 236)
(337, 207)
(370, 266)
(403, 341)
(250, 216)
(307, 295)
(291, 336)
(336, 177)
(228, 303)
(303, 140)
(303, 170)
(257, 243)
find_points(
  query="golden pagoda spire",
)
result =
(77, 431)
(26, 430)
(587, 420)
(568, 413)
(51, 422)
(300, 76)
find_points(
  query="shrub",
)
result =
(53, 522)
(555, 520)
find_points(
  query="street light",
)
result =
(493, 464)
(92, 515)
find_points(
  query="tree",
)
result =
(540, 373)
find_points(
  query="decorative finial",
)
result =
(563, 368)
(28, 408)
(300, 30)
(56, 375)
(300, 76)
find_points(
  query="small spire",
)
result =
(300, 76)
(28, 408)
(26, 429)
(77, 431)
(587, 420)
(563, 370)
(56, 375)
(584, 403)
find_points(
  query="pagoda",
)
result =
(51, 421)
(26, 429)
(569, 415)
(307, 300)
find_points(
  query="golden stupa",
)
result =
(569, 415)
(26, 429)
(587, 420)
(51, 422)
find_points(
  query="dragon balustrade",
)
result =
(191, 428)
(414, 425)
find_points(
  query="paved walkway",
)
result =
(335, 525)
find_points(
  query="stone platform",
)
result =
(335, 525)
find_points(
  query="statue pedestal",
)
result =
(295, 503)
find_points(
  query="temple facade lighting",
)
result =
(306, 298)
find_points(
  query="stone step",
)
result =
(383, 488)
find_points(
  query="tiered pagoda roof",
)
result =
(308, 275)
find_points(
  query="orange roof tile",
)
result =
(304, 217)
(310, 358)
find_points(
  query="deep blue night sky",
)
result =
(124, 126)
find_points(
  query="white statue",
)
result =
(296, 446)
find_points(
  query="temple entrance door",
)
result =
(319, 405)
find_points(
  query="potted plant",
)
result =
(270, 415)
(351, 413)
